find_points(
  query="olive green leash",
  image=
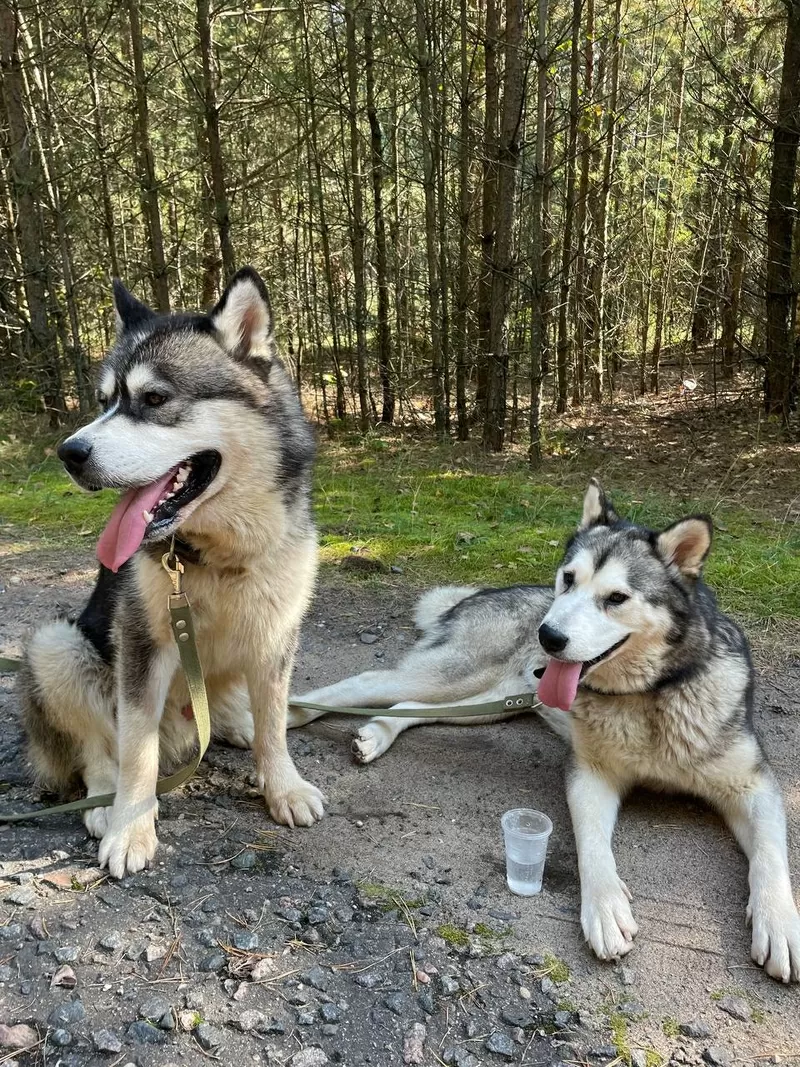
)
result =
(180, 614)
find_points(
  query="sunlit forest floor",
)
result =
(449, 512)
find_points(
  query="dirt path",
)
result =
(327, 947)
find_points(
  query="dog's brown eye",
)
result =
(154, 400)
(617, 598)
(568, 578)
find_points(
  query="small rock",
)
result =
(12, 932)
(60, 1037)
(396, 1003)
(214, 962)
(737, 1007)
(463, 1058)
(306, 1018)
(275, 1026)
(188, 1020)
(67, 1014)
(309, 1057)
(106, 1041)
(317, 978)
(112, 942)
(207, 1036)
(245, 940)
(317, 916)
(67, 954)
(330, 1013)
(245, 861)
(516, 1017)
(627, 975)
(22, 897)
(291, 915)
(548, 987)
(6, 973)
(263, 969)
(38, 927)
(251, 1020)
(368, 980)
(367, 638)
(524, 992)
(717, 1057)
(450, 985)
(603, 1052)
(17, 1037)
(155, 952)
(500, 1044)
(563, 1018)
(144, 1033)
(64, 978)
(414, 1043)
(158, 1011)
(631, 1009)
(696, 1029)
(638, 1057)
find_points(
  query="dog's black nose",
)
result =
(73, 453)
(551, 640)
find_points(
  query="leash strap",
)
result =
(520, 702)
(180, 614)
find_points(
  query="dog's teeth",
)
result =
(147, 516)
(176, 486)
(161, 501)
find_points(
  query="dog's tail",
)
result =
(64, 690)
(432, 605)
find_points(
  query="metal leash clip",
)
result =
(174, 571)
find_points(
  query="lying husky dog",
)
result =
(646, 678)
(203, 432)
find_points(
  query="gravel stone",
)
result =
(60, 1037)
(500, 1044)
(19, 1036)
(603, 1052)
(144, 1033)
(246, 940)
(306, 1018)
(112, 941)
(67, 954)
(67, 1014)
(23, 898)
(208, 1036)
(717, 1057)
(450, 985)
(696, 1029)
(414, 1044)
(737, 1007)
(309, 1057)
(397, 1003)
(516, 1017)
(245, 861)
(106, 1041)
(252, 1020)
(330, 1013)
(214, 962)
(317, 978)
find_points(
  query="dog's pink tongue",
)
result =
(125, 530)
(559, 684)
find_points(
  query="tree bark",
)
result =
(464, 212)
(27, 185)
(780, 381)
(488, 200)
(503, 266)
(147, 167)
(211, 114)
(538, 276)
(384, 337)
(563, 344)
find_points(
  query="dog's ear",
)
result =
(128, 311)
(686, 544)
(243, 316)
(597, 510)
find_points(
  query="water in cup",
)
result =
(524, 878)
(526, 833)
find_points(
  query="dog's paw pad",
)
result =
(129, 849)
(301, 805)
(96, 821)
(608, 922)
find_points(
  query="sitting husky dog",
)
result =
(654, 686)
(203, 432)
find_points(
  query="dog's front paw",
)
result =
(128, 846)
(96, 821)
(776, 939)
(300, 804)
(371, 741)
(607, 921)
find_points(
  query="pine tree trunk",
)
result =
(357, 234)
(563, 344)
(462, 292)
(581, 211)
(147, 167)
(384, 337)
(503, 266)
(27, 186)
(488, 201)
(780, 381)
(211, 115)
(538, 276)
(424, 63)
(600, 252)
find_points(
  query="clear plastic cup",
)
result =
(526, 833)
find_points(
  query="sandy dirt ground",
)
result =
(423, 823)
